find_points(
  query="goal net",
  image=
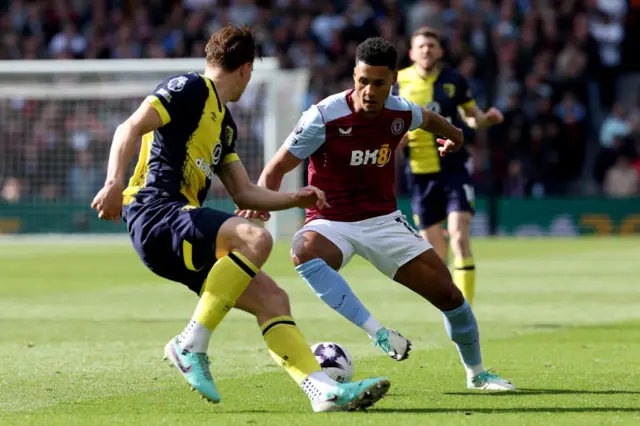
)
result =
(58, 118)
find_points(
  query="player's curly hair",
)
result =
(376, 51)
(231, 47)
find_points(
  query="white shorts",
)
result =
(387, 242)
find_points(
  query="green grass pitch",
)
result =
(83, 325)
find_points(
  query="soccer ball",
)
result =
(335, 361)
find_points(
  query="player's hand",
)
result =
(253, 214)
(310, 196)
(447, 146)
(108, 202)
(494, 116)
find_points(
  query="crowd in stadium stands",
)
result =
(565, 73)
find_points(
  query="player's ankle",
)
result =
(316, 384)
(473, 370)
(195, 337)
(371, 326)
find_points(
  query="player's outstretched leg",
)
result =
(270, 304)
(317, 260)
(244, 248)
(428, 276)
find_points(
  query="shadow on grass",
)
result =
(470, 411)
(525, 391)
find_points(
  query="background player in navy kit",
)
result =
(188, 135)
(351, 138)
(441, 187)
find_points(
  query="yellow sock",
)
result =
(289, 348)
(226, 281)
(464, 275)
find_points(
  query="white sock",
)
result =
(195, 337)
(371, 326)
(473, 370)
(316, 384)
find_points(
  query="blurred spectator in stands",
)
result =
(572, 137)
(615, 126)
(553, 66)
(622, 180)
(11, 190)
(515, 184)
(84, 178)
(68, 41)
(608, 30)
(425, 12)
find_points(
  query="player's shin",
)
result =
(462, 328)
(329, 286)
(226, 281)
(289, 348)
(464, 276)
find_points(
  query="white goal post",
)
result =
(77, 103)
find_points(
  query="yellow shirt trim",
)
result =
(230, 158)
(157, 105)
(468, 104)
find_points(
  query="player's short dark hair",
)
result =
(427, 32)
(231, 47)
(376, 51)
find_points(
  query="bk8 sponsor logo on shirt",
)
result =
(378, 157)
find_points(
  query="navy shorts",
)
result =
(435, 195)
(175, 240)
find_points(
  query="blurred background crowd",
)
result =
(566, 74)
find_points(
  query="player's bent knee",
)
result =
(302, 250)
(312, 245)
(251, 240)
(261, 240)
(300, 257)
(455, 297)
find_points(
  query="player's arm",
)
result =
(169, 100)
(144, 120)
(108, 202)
(281, 164)
(472, 115)
(305, 139)
(247, 195)
(438, 125)
(475, 118)
(434, 123)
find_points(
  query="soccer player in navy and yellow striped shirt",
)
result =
(188, 135)
(441, 187)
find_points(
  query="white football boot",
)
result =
(392, 343)
(327, 395)
(489, 381)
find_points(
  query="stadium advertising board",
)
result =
(516, 217)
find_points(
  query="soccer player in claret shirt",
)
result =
(441, 187)
(351, 138)
(188, 135)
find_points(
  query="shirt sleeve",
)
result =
(395, 89)
(308, 135)
(416, 114)
(176, 95)
(465, 94)
(228, 137)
